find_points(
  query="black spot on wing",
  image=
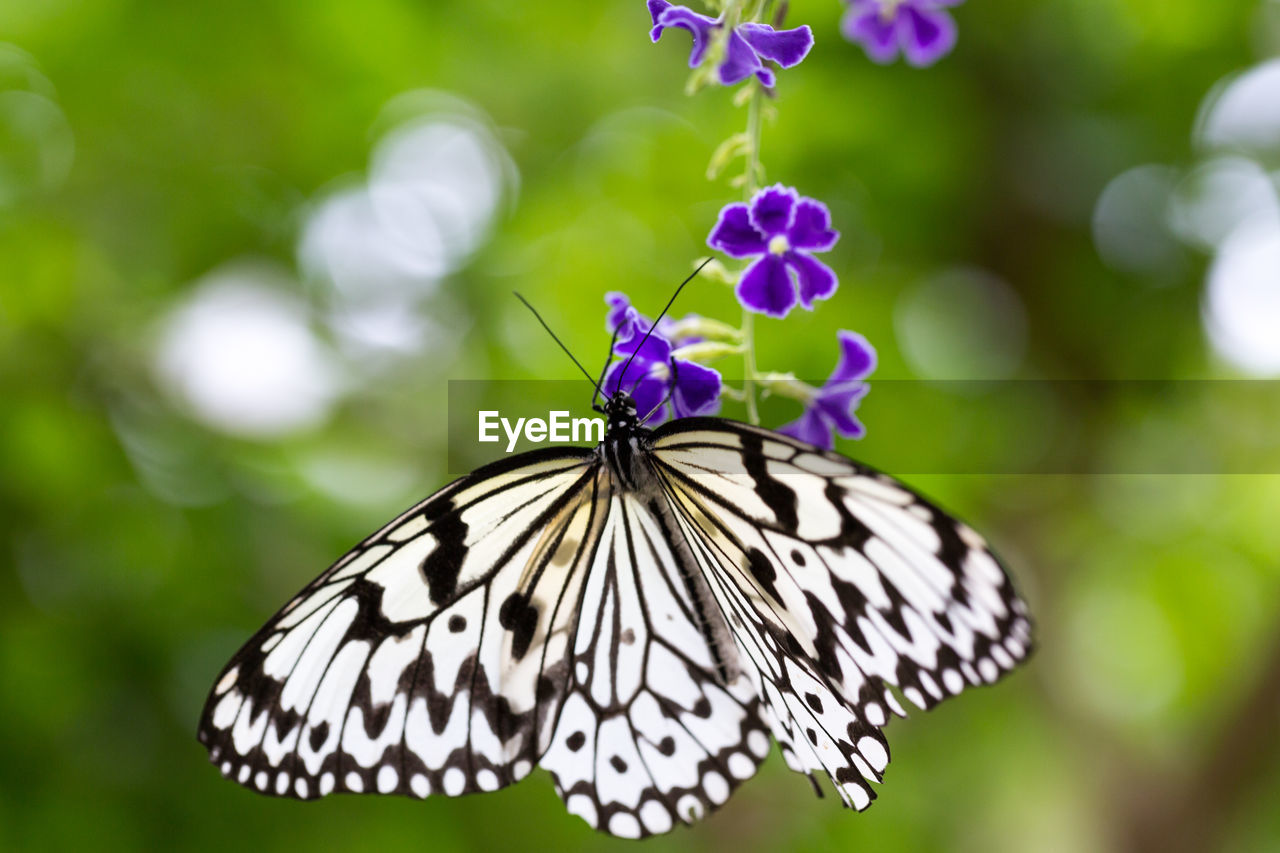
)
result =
(763, 571)
(519, 617)
(440, 568)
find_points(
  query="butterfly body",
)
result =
(641, 619)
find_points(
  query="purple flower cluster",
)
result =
(832, 406)
(778, 230)
(746, 50)
(659, 381)
(922, 30)
(781, 230)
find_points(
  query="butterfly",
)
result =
(642, 619)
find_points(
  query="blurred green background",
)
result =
(243, 247)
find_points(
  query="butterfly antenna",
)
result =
(608, 357)
(670, 301)
(671, 390)
(560, 342)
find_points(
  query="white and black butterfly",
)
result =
(640, 619)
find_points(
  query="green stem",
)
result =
(749, 368)
(750, 186)
(751, 182)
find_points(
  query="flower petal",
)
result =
(857, 358)
(697, 388)
(837, 406)
(651, 396)
(734, 234)
(699, 26)
(773, 209)
(926, 35)
(621, 314)
(656, 8)
(877, 36)
(766, 287)
(810, 427)
(740, 61)
(647, 347)
(812, 227)
(816, 279)
(785, 47)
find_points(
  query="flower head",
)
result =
(657, 378)
(922, 29)
(782, 230)
(747, 47)
(832, 406)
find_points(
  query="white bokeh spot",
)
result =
(1218, 196)
(1130, 221)
(240, 355)
(1241, 307)
(1243, 112)
(379, 247)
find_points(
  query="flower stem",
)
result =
(751, 180)
(750, 186)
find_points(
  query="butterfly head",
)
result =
(621, 413)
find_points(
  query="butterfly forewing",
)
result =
(839, 582)
(426, 660)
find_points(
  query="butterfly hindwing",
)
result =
(649, 735)
(427, 660)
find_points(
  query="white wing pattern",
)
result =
(641, 644)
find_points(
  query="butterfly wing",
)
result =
(432, 658)
(649, 733)
(838, 582)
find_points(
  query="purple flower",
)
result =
(783, 229)
(657, 379)
(623, 316)
(747, 46)
(922, 29)
(831, 408)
